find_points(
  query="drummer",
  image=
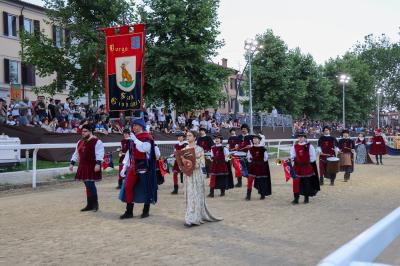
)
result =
(206, 143)
(245, 144)
(327, 147)
(346, 147)
(233, 143)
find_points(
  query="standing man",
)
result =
(234, 142)
(327, 147)
(274, 116)
(175, 169)
(89, 154)
(346, 147)
(378, 146)
(245, 144)
(206, 143)
(139, 168)
(306, 181)
(122, 153)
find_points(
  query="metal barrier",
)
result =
(367, 246)
(275, 147)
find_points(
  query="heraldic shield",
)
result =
(125, 69)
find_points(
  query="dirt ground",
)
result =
(45, 227)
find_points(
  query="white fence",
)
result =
(367, 246)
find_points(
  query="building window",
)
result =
(11, 25)
(57, 36)
(28, 25)
(13, 71)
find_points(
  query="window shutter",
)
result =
(21, 23)
(36, 27)
(14, 26)
(54, 35)
(5, 23)
(6, 71)
(67, 38)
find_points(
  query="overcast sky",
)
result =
(320, 27)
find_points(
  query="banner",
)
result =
(15, 92)
(124, 75)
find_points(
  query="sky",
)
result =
(323, 28)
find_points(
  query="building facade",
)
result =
(18, 15)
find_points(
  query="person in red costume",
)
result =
(306, 182)
(378, 146)
(89, 154)
(124, 149)
(219, 172)
(175, 169)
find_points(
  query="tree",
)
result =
(181, 37)
(74, 61)
(359, 94)
(383, 58)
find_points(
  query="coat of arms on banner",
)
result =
(125, 68)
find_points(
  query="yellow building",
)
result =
(15, 16)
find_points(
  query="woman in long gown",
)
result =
(195, 192)
(362, 156)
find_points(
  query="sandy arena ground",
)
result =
(45, 227)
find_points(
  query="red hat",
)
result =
(378, 130)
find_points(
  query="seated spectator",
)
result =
(46, 125)
(11, 121)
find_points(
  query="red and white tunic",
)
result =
(219, 157)
(303, 155)
(178, 147)
(378, 146)
(257, 156)
(87, 154)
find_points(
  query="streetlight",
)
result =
(379, 91)
(251, 46)
(344, 79)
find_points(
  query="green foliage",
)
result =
(383, 58)
(75, 60)
(181, 37)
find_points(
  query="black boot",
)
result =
(89, 205)
(95, 204)
(306, 199)
(321, 180)
(211, 195)
(146, 210)
(175, 191)
(332, 182)
(248, 195)
(119, 184)
(181, 178)
(296, 198)
(222, 192)
(129, 212)
(381, 161)
(239, 182)
(262, 197)
(346, 177)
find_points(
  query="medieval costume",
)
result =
(122, 152)
(378, 146)
(89, 154)
(327, 147)
(346, 147)
(220, 176)
(160, 169)
(206, 143)
(196, 207)
(259, 172)
(234, 142)
(362, 156)
(140, 184)
(175, 169)
(306, 182)
(246, 142)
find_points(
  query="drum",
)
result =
(332, 165)
(240, 154)
(345, 159)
